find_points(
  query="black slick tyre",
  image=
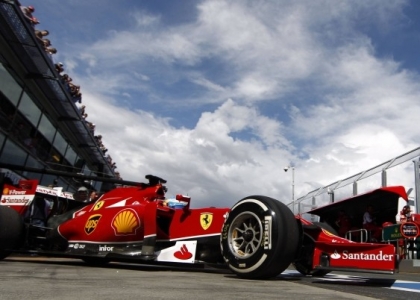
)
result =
(259, 238)
(11, 230)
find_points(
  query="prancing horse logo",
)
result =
(205, 220)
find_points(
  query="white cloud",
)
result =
(206, 157)
(272, 83)
(143, 19)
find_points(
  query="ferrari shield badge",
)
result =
(98, 205)
(205, 220)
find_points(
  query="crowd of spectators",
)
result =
(45, 43)
(73, 89)
(27, 13)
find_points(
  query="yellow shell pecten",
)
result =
(125, 222)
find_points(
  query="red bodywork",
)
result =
(123, 219)
(126, 219)
(132, 213)
(334, 252)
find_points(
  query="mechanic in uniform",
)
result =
(343, 223)
(404, 215)
(369, 224)
(82, 194)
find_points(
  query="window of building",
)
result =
(7, 111)
(2, 138)
(32, 175)
(8, 86)
(13, 154)
(64, 185)
(46, 128)
(70, 155)
(66, 166)
(86, 170)
(55, 159)
(59, 143)
(43, 148)
(34, 163)
(80, 163)
(97, 185)
(47, 179)
(28, 108)
(20, 128)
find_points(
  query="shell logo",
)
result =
(126, 222)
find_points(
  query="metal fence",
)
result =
(401, 170)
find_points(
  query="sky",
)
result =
(217, 97)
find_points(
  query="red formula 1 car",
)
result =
(259, 237)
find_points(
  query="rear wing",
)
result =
(21, 196)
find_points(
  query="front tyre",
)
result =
(259, 238)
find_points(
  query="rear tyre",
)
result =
(304, 264)
(259, 238)
(11, 230)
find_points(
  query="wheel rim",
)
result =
(245, 235)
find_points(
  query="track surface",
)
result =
(52, 278)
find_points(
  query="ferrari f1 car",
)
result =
(259, 237)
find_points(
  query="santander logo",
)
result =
(183, 253)
(345, 255)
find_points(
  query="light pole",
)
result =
(293, 186)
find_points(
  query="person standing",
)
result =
(343, 223)
(27, 13)
(82, 194)
(404, 215)
(93, 196)
(369, 224)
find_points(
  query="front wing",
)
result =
(362, 257)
